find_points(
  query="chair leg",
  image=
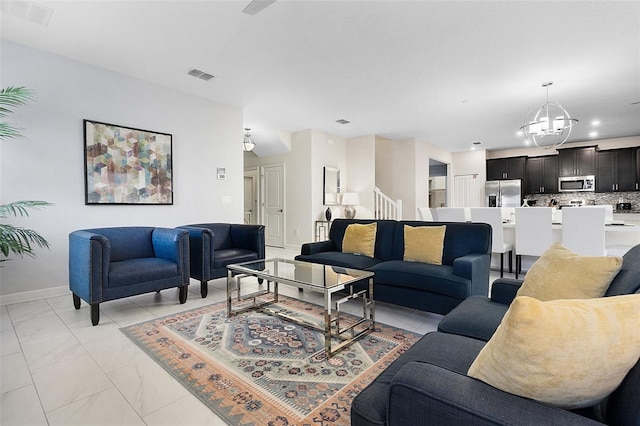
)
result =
(204, 288)
(183, 294)
(518, 260)
(95, 313)
(511, 261)
(76, 301)
(501, 265)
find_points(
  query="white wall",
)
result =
(327, 151)
(384, 165)
(361, 173)
(424, 152)
(48, 163)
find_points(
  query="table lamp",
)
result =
(350, 199)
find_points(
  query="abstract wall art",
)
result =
(127, 166)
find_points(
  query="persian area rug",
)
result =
(257, 369)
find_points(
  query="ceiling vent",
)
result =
(29, 11)
(342, 121)
(200, 74)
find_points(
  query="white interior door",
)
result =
(274, 205)
(251, 211)
(465, 191)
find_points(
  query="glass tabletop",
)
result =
(295, 272)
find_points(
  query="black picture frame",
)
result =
(125, 166)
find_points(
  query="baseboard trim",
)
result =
(28, 296)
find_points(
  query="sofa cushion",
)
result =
(562, 274)
(622, 406)
(226, 257)
(134, 271)
(348, 260)
(360, 239)
(455, 353)
(460, 239)
(568, 353)
(424, 243)
(384, 235)
(422, 276)
(128, 242)
(628, 279)
(477, 317)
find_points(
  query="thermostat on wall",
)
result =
(221, 172)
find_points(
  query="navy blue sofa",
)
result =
(215, 245)
(433, 288)
(428, 384)
(112, 263)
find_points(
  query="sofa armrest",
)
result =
(425, 394)
(89, 258)
(317, 247)
(475, 267)
(201, 251)
(503, 290)
(249, 237)
(173, 245)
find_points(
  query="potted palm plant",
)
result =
(16, 240)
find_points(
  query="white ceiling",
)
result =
(445, 72)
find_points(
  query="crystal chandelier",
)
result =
(248, 144)
(548, 126)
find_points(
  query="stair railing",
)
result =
(384, 207)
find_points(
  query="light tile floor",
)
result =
(57, 369)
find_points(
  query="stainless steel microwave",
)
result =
(577, 183)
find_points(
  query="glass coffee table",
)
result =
(325, 279)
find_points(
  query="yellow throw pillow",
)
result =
(424, 243)
(562, 274)
(360, 239)
(568, 353)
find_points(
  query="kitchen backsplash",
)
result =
(597, 198)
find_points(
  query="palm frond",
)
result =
(12, 97)
(15, 97)
(8, 131)
(19, 241)
(21, 208)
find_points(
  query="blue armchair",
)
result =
(213, 246)
(112, 263)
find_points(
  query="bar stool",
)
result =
(493, 216)
(533, 232)
(583, 230)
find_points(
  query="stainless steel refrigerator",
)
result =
(503, 193)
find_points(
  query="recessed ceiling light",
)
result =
(595, 123)
(593, 134)
(519, 133)
(343, 121)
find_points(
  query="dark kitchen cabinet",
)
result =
(616, 170)
(506, 168)
(577, 161)
(637, 169)
(542, 175)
